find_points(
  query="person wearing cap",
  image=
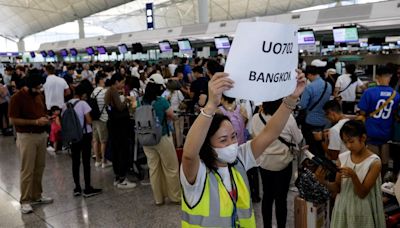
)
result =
(315, 95)
(118, 131)
(28, 114)
(331, 77)
(161, 158)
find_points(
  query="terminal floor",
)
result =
(113, 208)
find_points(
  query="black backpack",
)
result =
(72, 130)
(96, 112)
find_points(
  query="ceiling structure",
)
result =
(21, 18)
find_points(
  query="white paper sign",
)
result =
(262, 61)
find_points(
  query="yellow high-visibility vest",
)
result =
(215, 207)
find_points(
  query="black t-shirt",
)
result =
(199, 86)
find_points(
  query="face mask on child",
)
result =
(227, 154)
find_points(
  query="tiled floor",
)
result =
(113, 208)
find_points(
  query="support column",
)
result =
(203, 11)
(81, 29)
(21, 45)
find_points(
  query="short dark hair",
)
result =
(384, 71)
(100, 76)
(353, 128)
(50, 69)
(311, 70)
(214, 67)
(116, 77)
(197, 69)
(333, 106)
(270, 107)
(34, 78)
(80, 90)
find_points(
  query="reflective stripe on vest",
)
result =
(208, 211)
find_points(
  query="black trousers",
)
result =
(118, 132)
(84, 149)
(348, 107)
(395, 156)
(315, 147)
(4, 116)
(276, 188)
(252, 175)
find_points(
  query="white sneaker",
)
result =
(126, 184)
(50, 149)
(26, 208)
(43, 200)
(97, 164)
(106, 165)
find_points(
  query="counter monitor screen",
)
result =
(32, 53)
(345, 34)
(184, 45)
(90, 51)
(44, 54)
(64, 53)
(102, 50)
(222, 42)
(122, 48)
(165, 46)
(51, 53)
(305, 37)
(73, 52)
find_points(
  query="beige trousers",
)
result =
(164, 170)
(178, 126)
(32, 148)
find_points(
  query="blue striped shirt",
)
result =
(311, 94)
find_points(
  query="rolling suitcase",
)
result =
(308, 215)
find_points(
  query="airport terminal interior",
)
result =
(117, 113)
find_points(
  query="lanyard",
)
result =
(234, 197)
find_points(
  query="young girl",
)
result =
(55, 132)
(359, 200)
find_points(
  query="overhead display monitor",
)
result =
(32, 53)
(184, 45)
(51, 53)
(64, 52)
(44, 54)
(305, 36)
(348, 34)
(165, 46)
(122, 48)
(73, 52)
(102, 50)
(90, 51)
(137, 48)
(222, 42)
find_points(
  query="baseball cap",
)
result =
(157, 79)
(318, 63)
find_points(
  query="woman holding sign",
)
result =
(213, 175)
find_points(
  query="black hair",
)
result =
(333, 106)
(178, 70)
(34, 78)
(132, 83)
(55, 108)
(214, 67)
(351, 69)
(184, 60)
(71, 67)
(383, 71)
(353, 128)
(230, 100)
(80, 90)
(312, 70)
(207, 153)
(50, 69)
(116, 78)
(100, 76)
(270, 107)
(197, 69)
(152, 91)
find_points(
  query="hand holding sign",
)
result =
(218, 84)
(301, 84)
(262, 61)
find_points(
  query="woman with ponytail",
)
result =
(346, 89)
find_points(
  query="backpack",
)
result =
(71, 128)
(148, 126)
(96, 112)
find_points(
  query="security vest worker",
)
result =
(213, 176)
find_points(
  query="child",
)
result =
(55, 132)
(359, 200)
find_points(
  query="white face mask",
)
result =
(227, 154)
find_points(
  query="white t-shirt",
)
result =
(176, 98)
(54, 91)
(193, 192)
(172, 67)
(99, 93)
(88, 74)
(350, 93)
(335, 142)
(135, 72)
(81, 108)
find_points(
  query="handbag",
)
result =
(279, 159)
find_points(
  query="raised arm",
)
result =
(198, 132)
(278, 121)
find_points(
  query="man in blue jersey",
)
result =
(379, 126)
